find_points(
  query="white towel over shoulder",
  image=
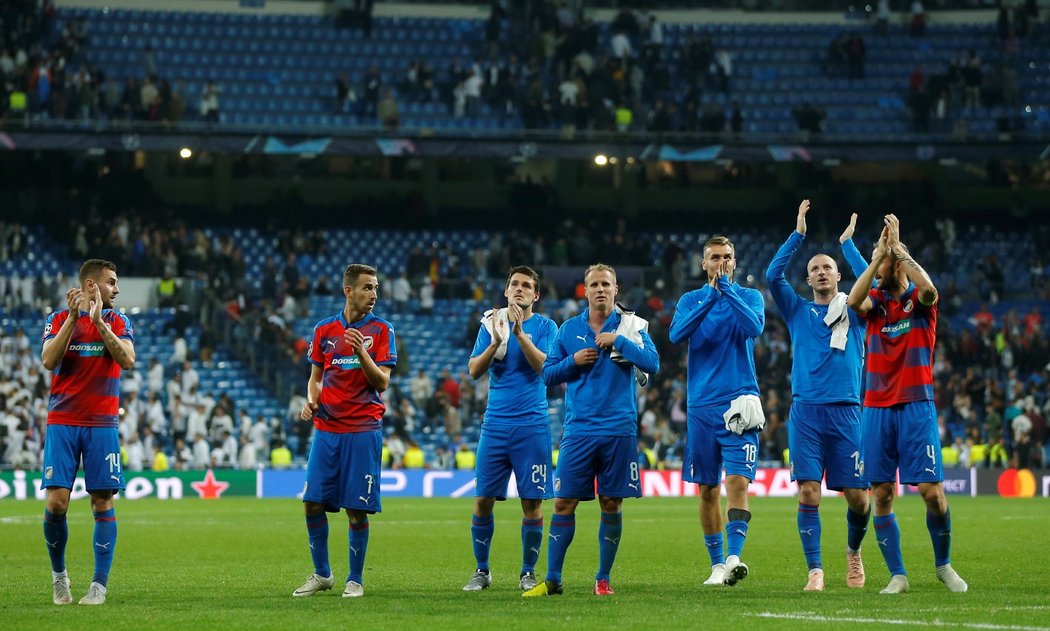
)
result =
(631, 327)
(838, 319)
(503, 322)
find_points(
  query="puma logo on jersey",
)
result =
(582, 338)
(363, 498)
(633, 485)
(932, 472)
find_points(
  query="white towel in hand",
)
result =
(744, 413)
(631, 327)
(838, 319)
(503, 323)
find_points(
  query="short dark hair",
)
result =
(354, 270)
(93, 267)
(526, 270)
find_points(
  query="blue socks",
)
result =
(889, 537)
(856, 528)
(56, 534)
(358, 548)
(531, 542)
(608, 543)
(714, 545)
(481, 529)
(736, 531)
(317, 534)
(563, 529)
(105, 540)
(809, 532)
(940, 527)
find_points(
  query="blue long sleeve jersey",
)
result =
(721, 326)
(819, 373)
(600, 398)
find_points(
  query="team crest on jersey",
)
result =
(557, 484)
(368, 342)
(49, 473)
(47, 329)
(908, 306)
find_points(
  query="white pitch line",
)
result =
(928, 623)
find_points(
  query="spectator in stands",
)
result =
(465, 458)
(209, 102)
(373, 83)
(413, 458)
(972, 78)
(442, 458)
(246, 456)
(855, 54)
(810, 120)
(280, 456)
(134, 452)
(159, 460)
(472, 85)
(183, 455)
(918, 19)
(201, 452)
(422, 388)
(920, 104)
(387, 110)
(345, 97)
(882, 17)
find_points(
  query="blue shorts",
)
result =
(825, 440)
(523, 449)
(903, 437)
(343, 471)
(709, 446)
(612, 459)
(99, 447)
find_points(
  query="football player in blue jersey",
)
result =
(827, 345)
(511, 347)
(720, 322)
(597, 354)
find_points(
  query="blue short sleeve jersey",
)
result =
(517, 394)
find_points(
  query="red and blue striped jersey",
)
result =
(348, 403)
(901, 336)
(85, 386)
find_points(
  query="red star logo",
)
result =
(210, 488)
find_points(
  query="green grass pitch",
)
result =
(233, 564)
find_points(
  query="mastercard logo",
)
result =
(1016, 483)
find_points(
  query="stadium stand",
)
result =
(280, 71)
(995, 325)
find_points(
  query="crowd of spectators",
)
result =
(993, 381)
